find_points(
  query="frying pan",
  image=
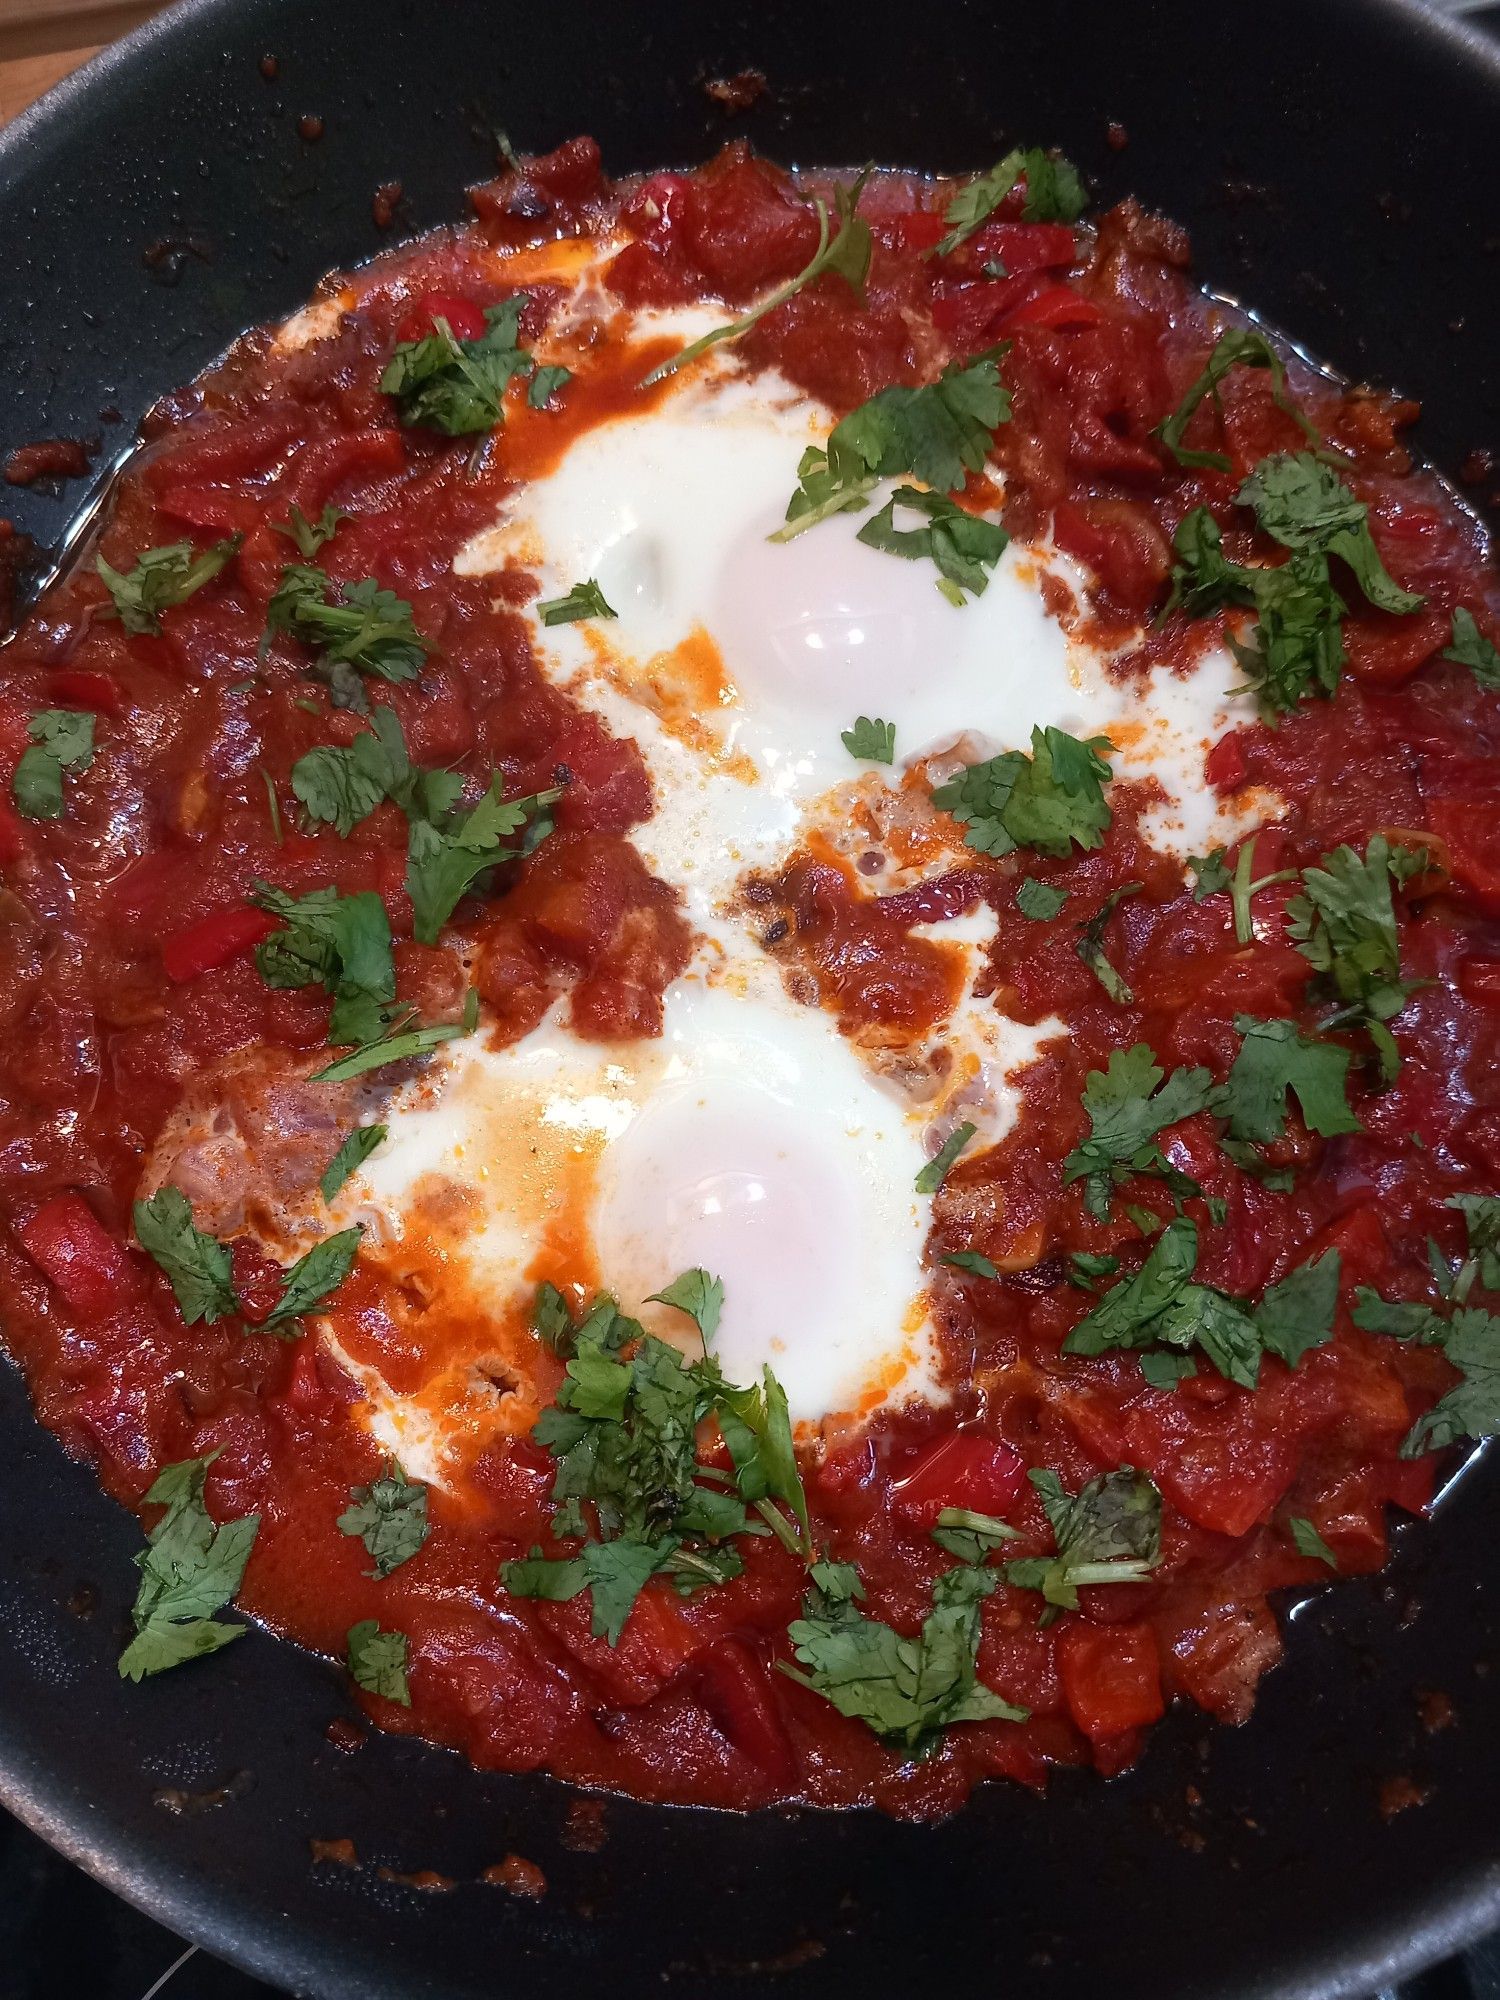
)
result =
(1336, 161)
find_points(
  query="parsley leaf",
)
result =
(315, 1274)
(843, 253)
(1108, 1532)
(1401, 1319)
(1049, 801)
(908, 1691)
(1127, 1113)
(456, 386)
(1039, 900)
(62, 739)
(1090, 945)
(931, 1177)
(1241, 346)
(698, 1295)
(337, 941)
(939, 433)
(1303, 504)
(446, 859)
(189, 1569)
(1276, 1057)
(1054, 193)
(964, 546)
(161, 578)
(390, 1518)
(584, 600)
(196, 1264)
(1310, 1543)
(870, 739)
(1344, 925)
(350, 1157)
(361, 630)
(378, 1661)
(1469, 648)
(309, 536)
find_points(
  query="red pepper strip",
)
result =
(1058, 306)
(214, 940)
(963, 1469)
(75, 1252)
(922, 230)
(99, 692)
(214, 508)
(1020, 247)
(970, 314)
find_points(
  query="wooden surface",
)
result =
(41, 40)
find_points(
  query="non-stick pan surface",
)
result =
(1337, 162)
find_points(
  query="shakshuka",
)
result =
(750, 974)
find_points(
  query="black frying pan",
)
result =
(1337, 162)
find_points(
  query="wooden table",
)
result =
(41, 40)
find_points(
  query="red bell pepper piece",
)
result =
(1022, 246)
(81, 689)
(1111, 1676)
(1225, 767)
(466, 321)
(964, 1469)
(75, 1252)
(214, 940)
(1057, 307)
(738, 1693)
(216, 509)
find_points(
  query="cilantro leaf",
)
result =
(552, 1320)
(972, 1262)
(1050, 801)
(1275, 1057)
(1108, 1532)
(1090, 945)
(315, 1274)
(1167, 1371)
(340, 942)
(309, 536)
(1472, 1408)
(378, 1661)
(1469, 648)
(1240, 347)
(161, 578)
(445, 860)
(1344, 925)
(1481, 1214)
(1054, 193)
(870, 739)
(963, 546)
(196, 1264)
(456, 386)
(1039, 900)
(189, 1569)
(545, 384)
(939, 433)
(398, 1043)
(1403, 1320)
(1127, 1113)
(970, 1536)
(1310, 1543)
(842, 253)
(340, 786)
(1303, 504)
(362, 629)
(390, 1518)
(931, 1177)
(350, 1157)
(908, 1691)
(698, 1295)
(1297, 1314)
(584, 600)
(62, 739)
(1211, 874)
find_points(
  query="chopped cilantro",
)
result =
(971, 1261)
(456, 386)
(318, 1272)
(698, 1295)
(1054, 193)
(1090, 945)
(390, 1518)
(1108, 1532)
(1049, 801)
(1087, 1267)
(1039, 901)
(350, 1157)
(340, 942)
(309, 536)
(361, 629)
(1469, 648)
(1344, 925)
(1303, 504)
(870, 739)
(1471, 1341)
(844, 253)
(1214, 876)
(378, 1661)
(970, 1536)
(1127, 1113)
(1275, 1057)
(341, 786)
(545, 384)
(62, 739)
(399, 1042)
(584, 600)
(963, 546)
(161, 578)
(1310, 1543)
(197, 1264)
(445, 860)
(1241, 346)
(189, 1569)
(1481, 1214)
(931, 1177)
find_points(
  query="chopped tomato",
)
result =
(963, 1469)
(1111, 1676)
(218, 509)
(1122, 545)
(214, 940)
(738, 1694)
(12, 832)
(1226, 767)
(81, 689)
(75, 1252)
(465, 320)
(1056, 307)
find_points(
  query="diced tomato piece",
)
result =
(1385, 649)
(1470, 825)
(12, 833)
(970, 315)
(305, 1391)
(1057, 307)
(214, 940)
(1408, 1483)
(258, 1279)
(465, 320)
(100, 692)
(1226, 767)
(1111, 1676)
(217, 509)
(921, 229)
(1479, 980)
(1220, 1467)
(964, 1469)
(737, 1692)
(1121, 544)
(75, 1252)
(1023, 246)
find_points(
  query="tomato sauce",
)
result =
(126, 977)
